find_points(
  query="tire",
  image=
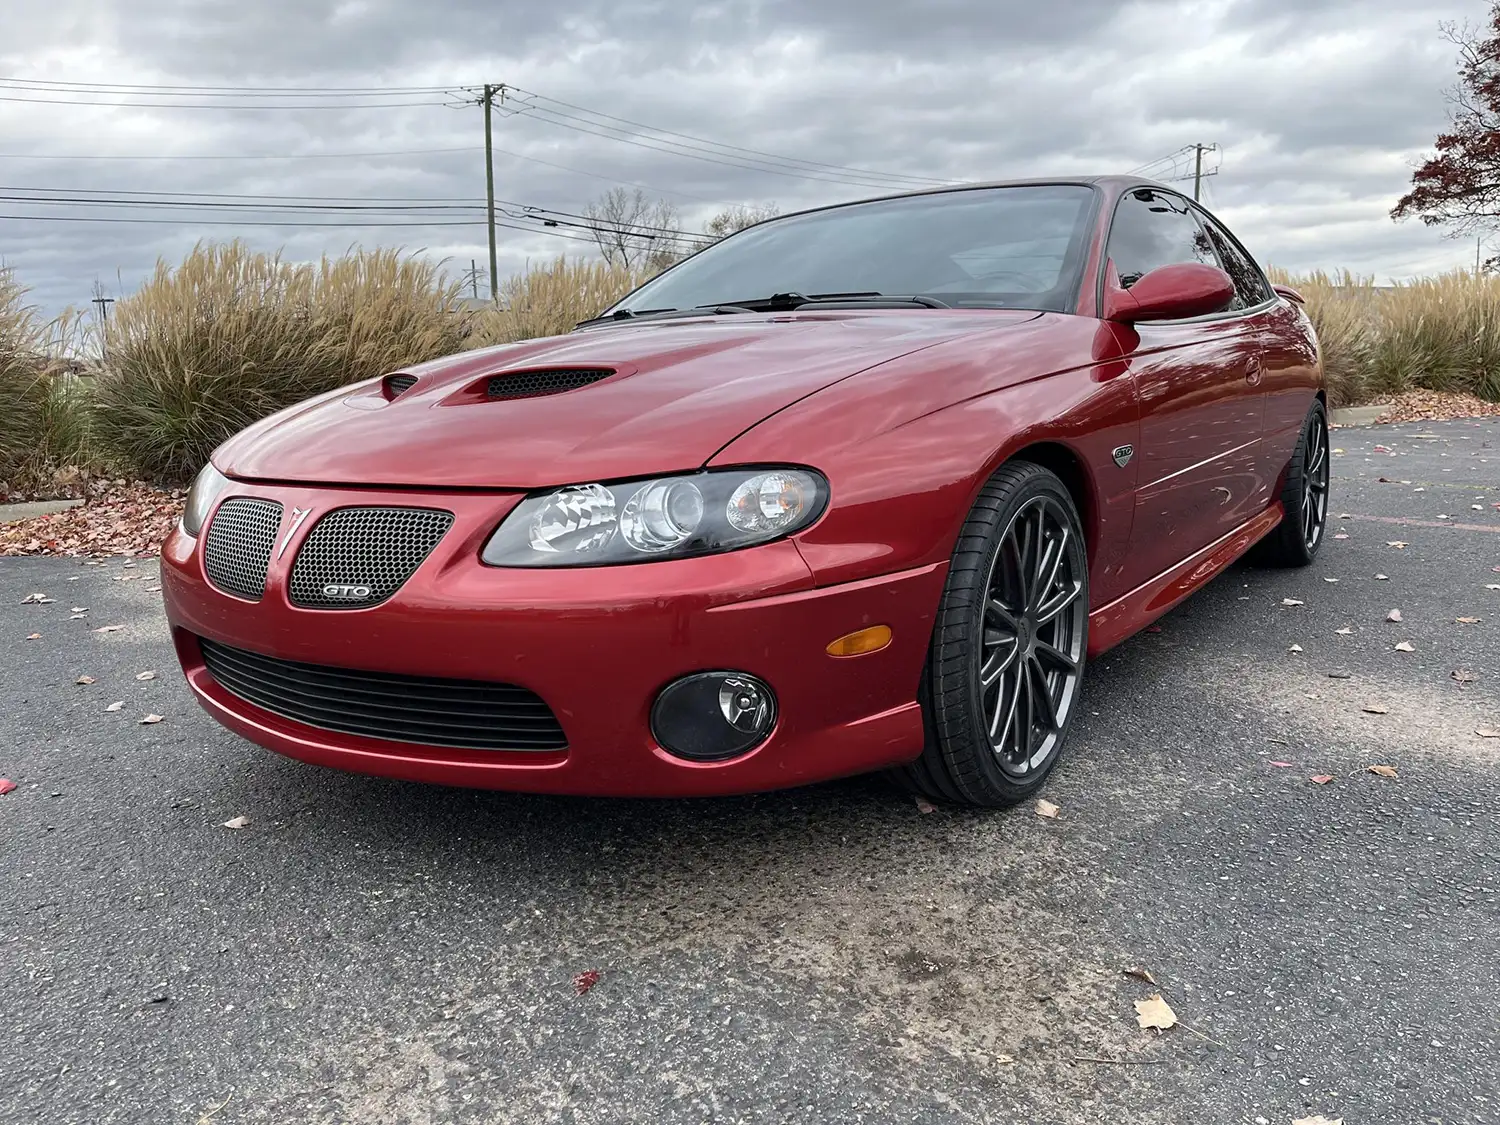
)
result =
(1008, 646)
(1304, 496)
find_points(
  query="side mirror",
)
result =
(1173, 292)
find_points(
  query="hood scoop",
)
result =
(399, 384)
(549, 381)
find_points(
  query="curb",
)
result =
(12, 513)
(1357, 415)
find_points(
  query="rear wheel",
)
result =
(1304, 497)
(1008, 647)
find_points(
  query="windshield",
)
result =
(1009, 247)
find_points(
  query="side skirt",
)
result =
(1132, 612)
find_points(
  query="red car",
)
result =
(855, 489)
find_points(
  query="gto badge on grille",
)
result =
(1123, 454)
(346, 590)
(298, 515)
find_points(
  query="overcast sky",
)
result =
(1320, 108)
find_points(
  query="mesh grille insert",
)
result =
(426, 710)
(399, 384)
(529, 384)
(238, 547)
(358, 557)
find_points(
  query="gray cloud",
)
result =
(1321, 107)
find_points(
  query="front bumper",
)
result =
(596, 644)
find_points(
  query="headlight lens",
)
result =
(200, 498)
(670, 517)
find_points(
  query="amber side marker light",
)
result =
(873, 639)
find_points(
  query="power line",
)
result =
(241, 155)
(287, 223)
(146, 87)
(220, 105)
(693, 155)
(788, 160)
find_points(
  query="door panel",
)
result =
(1203, 470)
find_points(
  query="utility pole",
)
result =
(491, 89)
(1478, 249)
(103, 303)
(1197, 171)
(474, 277)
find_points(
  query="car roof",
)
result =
(1110, 183)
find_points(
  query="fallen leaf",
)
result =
(1139, 974)
(1404, 646)
(1341, 535)
(84, 680)
(33, 599)
(33, 636)
(1283, 765)
(237, 822)
(1381, 449)
(1466, 621)
(1319, 1119)
(1477, 507)
(1463, 675)
(585, 981)
(1153, 628)
(1394, 615)
(1384, 480)
(116, 705)
(1383, 771)
(1321, 779)
(109, 628)
(1291, 601)
(1382, 578)
(145, 675)
(1295, 648)
(1338, 451)
(1047, 809)
(78, 617)
(1340, 674)
(1345, 631)
(150, 719)
(1492, 585)
(1005, 1060)
(1154, 1012)
(1346, 515)
(6, 785)
(1330, 580)
(1486, 732)
(925, 806)
(79, 609)
(1375, 709)
(1396, 543)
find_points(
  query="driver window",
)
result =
(1155, 228)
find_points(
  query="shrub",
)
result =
(1439, 333)
(551, 300)
(229, 336)
(42, 424)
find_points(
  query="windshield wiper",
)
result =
(859, 300)
(658, 314)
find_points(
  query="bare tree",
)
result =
(737, 217)
(634, 231)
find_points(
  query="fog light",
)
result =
(713, 715)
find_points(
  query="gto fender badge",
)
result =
(298, 515)
(1123, 454)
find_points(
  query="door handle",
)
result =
(1254, 370)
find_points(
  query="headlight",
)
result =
(200, 498)
(666, 518)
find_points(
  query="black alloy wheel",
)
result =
(1009, 644)
(1304, 498)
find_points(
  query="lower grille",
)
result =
(468, 714)
(357, 557)
(237, 549)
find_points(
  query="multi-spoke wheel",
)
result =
(1304, 496)
(1009, 644)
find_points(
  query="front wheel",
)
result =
(1008, 647)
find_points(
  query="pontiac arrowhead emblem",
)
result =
(298, 515)
(1123, 454)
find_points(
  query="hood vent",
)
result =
(531, 384)
(399, 384)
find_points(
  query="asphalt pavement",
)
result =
(373, 951)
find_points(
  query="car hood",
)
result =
(681, 391)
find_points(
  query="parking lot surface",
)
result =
(371, 951)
